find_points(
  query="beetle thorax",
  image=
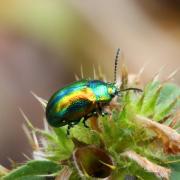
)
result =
(104, 92)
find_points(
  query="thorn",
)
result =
(49, 175)
(170, 77)
(44, 143)
(124, 77)
(140, 102)
(76, 77)
(42, 101)
(100, 74)
(172, 161)
(156, 76)
(108, 165)
(35, 140)
(26, 156)
(99, 70)
(39, 155)
(84, 171)
(142, 69)
(94, 72)
(31, 141)
(46, 126)
(165, 119)
(29, 124)
(82, 74)
(170, 106)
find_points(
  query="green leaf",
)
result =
(50, 136)
(32, 178)
(151, 95)
(167, 100)
(175, 171)
(85, 135)
(175, 175)
(34, 169)
(64, 141)
(3, 171)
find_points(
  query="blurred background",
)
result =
(44, 42)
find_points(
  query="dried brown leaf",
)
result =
(175, 120)
(92, 161)
(159, 171)
(169, 137)
(124, 77)
(94, 124)
(64, 174)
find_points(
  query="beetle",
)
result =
(81, 99)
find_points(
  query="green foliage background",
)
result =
(119, 133)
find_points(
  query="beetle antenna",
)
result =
(134, 89)
(115, 65)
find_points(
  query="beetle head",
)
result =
(112, 89)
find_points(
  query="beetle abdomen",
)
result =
(78, 109)
(70, 104)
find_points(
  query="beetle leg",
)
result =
(99, 109)
(85, 125)
(68, 129)
(94, 113)
(84, 121)
(70, 125)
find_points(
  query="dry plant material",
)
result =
(92, 161)
(159, 171)
(3, 170)
(176, 120)
(169, 136)
(94, 124)
(124, 77)
(64, 174)
(94, 152)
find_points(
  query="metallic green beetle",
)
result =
(81, 99)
